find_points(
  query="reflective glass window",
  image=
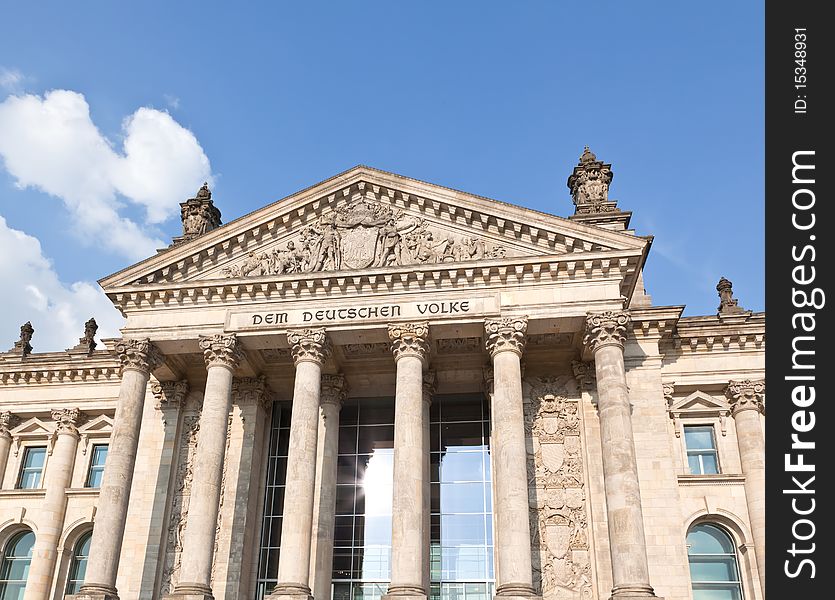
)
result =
(14, 568)
(714, 571)
(702, 458)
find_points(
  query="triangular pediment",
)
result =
(698, 401)
(32, 426)
(99, 424)
(365, 219)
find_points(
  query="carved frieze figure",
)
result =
(362, 234)
(589, 185)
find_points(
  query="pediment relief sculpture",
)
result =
(363, 234)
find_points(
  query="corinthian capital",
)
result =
(169, 394)
(221, 350)
(745, 395)
(606, 329)
(334, 390)
(410, 339)
(67, 420)
(506, 334)
(310, 345)
(251, 390)
(139, 355)
(7, 422)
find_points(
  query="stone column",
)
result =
(410, 346)
(505, 341)
(222, 354)
(7, 421)
(139, 358)
(428, 393)
(746, 399)
(51, 522)
(333, 393)
(605, 336)
(311, 348)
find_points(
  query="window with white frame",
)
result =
(714, 570)
(31, 468)
(702, 457)
(96, 470)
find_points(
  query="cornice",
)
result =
(59, 367)
(712, 334)
(710, 480)
(619, 264)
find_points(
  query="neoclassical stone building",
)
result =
(383, 387)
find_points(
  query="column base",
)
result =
(515, 591)
(190, 591)
(403, 597)
(405, 592)
(95, 592)
(636, 592)
(289, 591)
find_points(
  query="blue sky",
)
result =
(492, 98)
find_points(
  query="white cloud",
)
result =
(33, 292)
(172, 101)
(10, 79)
(50, 143)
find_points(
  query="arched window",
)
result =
(78, 565)
(714, 572)
(15, 566)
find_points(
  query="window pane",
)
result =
(712, 569)
(717, 593)
(99, 455)
(462, 530)
(462, 497)
(709, 464)
(462, 466)
(698, 438)
(34, 457)
(708, 539)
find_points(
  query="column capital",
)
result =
(585, 374)
(169, 394)
(311, 345)
(745, 395)
(410, 339)
(506, 334)
(139, 355)
(221, 350)
(428, 386)
(7, 422)
(334, 390)
(606, 329)
(252, 390)
(67, 420)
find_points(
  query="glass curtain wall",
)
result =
(461, 508)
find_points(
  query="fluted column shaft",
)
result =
(409, 551)
(605, 336)
(505, 340)
(311, 349)
(333, 393)
(53, 509)
(222, 354)
(139, 358)
(746, 405)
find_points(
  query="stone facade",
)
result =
(373, 285)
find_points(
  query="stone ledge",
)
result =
(719, 479)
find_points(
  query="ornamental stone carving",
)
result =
(669, 389)
(310, 345)
(585, 374)
(605, 329)
(139, 355)
(199, 215)
(589, 185)
(169, 394)
(428, 386)
(506, 334)
(362, 234)
(728, 305)
(745, 395)
(67, 420)
(252, 390)
(87, 342)
(558, 503)
(23, 345)
(409, 339)
(334, 389)
(221, 350)
(8, 421)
